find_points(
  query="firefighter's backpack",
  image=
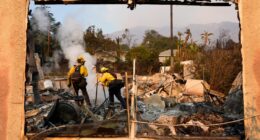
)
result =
(76, 75)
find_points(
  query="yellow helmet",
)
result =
(104, 69)
(80, 59)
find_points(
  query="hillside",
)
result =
(231, 28)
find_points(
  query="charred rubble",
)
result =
(174, 108)
(61, 113)
(166, 105)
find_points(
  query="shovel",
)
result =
(104, 92)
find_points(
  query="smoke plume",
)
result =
(42, 20)
(70, 36)
(56, 59)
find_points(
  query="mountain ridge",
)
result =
(230, 28)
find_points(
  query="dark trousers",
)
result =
(79, 86)
(114, 89)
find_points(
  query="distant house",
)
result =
(105, 56)
(165, 55)
(109, 55)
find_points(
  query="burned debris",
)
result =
(190, 108)
(165, 107)
(61, 113)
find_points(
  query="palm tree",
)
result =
(179, 42)
(205, 37)
(180, 34)
(188, 36)
(118, 49)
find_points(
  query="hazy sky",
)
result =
(112, 18)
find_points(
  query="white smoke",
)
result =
(70, 36)
(42, 19)
(41, 22)
(57, 58)
(47, 68)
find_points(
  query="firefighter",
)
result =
(114, 86)
(76, 76)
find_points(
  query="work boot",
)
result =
(111, 105)
(79, 100)
(87, 100)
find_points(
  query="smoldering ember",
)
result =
(171, 87)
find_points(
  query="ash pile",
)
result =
(169, 105)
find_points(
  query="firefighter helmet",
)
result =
(80, 59)
(104, 69)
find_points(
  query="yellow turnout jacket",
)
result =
(106, 78)
(83, 71)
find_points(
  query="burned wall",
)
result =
(250, 30)
(13, 24)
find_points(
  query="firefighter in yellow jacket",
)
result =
(114, 86)
(76, 76)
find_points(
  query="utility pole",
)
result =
(171, 43)
(132, 108)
